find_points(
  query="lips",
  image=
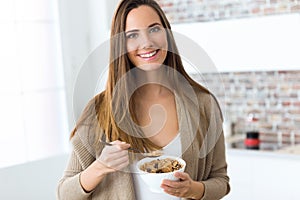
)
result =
(148, 54)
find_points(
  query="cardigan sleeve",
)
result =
(217, 183)
(69, 186)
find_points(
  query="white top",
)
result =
(141, 190)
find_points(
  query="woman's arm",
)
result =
(84, 173)
(69, 186)
(217, 184)
(112, 158)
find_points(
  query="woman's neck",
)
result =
(154, 84)
(152, 91)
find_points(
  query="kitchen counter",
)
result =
(263, 175)
(236, 144)
(293, 149)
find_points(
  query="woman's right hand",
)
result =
(111, 159)
(115, 157)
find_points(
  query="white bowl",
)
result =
(154, 180)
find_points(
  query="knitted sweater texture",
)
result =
(204, 153)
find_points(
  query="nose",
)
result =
(146, 41)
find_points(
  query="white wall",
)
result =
(84, 27)
(258, 43)
(75, 42)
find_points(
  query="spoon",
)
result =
(152, 154)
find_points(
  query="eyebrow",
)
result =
(136, 30)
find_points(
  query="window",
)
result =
(33, 111)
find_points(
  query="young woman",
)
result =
(149, 103)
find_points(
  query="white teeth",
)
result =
(148, 55)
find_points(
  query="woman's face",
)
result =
(146, 38)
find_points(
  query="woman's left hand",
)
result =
(185, 188)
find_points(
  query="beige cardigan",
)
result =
(205, 162)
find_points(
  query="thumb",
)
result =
(182, 175)
(120, 144)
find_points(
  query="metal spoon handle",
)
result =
(106, 143)
(136, 150)
(130, 148)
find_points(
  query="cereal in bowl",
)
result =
(161, 166)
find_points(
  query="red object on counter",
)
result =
(251, 142)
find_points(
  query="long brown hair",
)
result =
(119, 66)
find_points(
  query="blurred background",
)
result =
(43, 45)
(254, 45)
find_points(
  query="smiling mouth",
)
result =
(149, 55)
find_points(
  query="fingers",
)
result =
(177, 188)
(117, 144)
(116, 156)
(172, 184)
(182, 176)
(175, 184)
(175, 192)
(113, 165)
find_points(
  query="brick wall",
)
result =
(179, 11)
(272, 96)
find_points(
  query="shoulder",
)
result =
(95, 102)
(204, 96)
(208, 102)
